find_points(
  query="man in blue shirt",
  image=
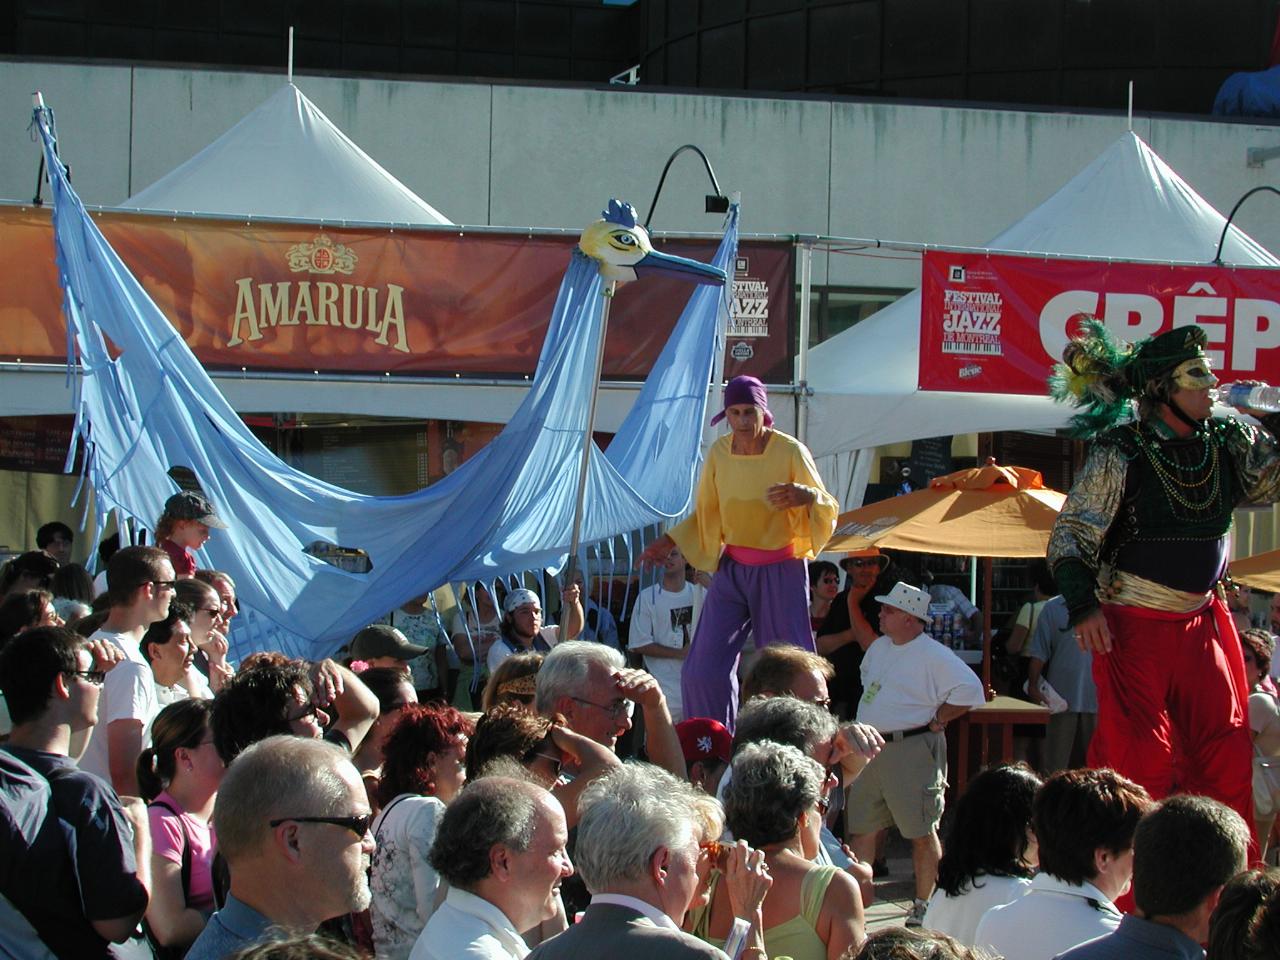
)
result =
(293, 824)
(1054, 654)
(1184, 852)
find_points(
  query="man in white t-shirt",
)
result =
(662, 626)
(140, 582)
(913, 687)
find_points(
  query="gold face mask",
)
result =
(1194, 374)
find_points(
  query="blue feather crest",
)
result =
(620, 212)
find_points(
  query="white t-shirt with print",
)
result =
(665, 617)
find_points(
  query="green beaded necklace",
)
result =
(1178, 481)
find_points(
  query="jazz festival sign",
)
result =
(996, 324)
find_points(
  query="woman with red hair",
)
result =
(423, 768)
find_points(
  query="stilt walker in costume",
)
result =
(1138, 551)
(760, 513)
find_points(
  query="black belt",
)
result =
(903, 734)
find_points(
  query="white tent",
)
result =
(286, 159)
(1127, 204)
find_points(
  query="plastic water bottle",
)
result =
(1243, 396)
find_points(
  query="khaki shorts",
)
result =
(901, 787)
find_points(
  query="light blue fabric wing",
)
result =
(151, 406)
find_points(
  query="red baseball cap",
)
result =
(702, 738)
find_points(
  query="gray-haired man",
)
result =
(501, 847)
(637, 851)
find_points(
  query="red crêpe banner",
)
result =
(996, 324)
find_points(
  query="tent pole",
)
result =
(289, 66)
(986, 626)
(802, 354)
(715, 390)
(607, 293)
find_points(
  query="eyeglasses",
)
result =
(357, 825)
(96, 677)
(213, 612)
(862, 562)
(162, 584)
(556, 762)
(618, 709)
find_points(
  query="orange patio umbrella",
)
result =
(988, 511)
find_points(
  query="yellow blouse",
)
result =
(731, 506)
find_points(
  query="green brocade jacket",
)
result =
(1140, 484)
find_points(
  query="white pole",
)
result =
(610, 287)
(1131, 106)
(802, 355)
(290, 65)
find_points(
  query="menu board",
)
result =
(35, 444)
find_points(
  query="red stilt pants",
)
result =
(1173, 705)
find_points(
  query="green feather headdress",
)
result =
(1103, 373)
(1093, 376)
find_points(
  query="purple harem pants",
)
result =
(770, 600)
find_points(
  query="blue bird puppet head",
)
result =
(621, 247)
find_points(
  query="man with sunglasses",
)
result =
(1138, 552)
(140, 586)
(293, 825)
(79, 899)
(851, 626)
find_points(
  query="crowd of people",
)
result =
(642, 785)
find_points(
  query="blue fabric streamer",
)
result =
(509, 508)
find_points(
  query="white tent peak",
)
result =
(286, 159)
(1126, 204)
(1109, 208)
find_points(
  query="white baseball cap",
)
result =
(910, 599)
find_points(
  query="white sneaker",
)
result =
(915, 916)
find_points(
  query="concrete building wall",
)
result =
(524, 155)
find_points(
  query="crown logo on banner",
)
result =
(322, 255)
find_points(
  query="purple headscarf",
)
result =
(741, 390)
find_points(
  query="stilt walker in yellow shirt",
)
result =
(761, 512)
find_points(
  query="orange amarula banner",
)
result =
(274, 296)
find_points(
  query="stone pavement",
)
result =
(894, 893)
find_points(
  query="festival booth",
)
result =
(900, 376)
(969, 352)
(997, 511)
